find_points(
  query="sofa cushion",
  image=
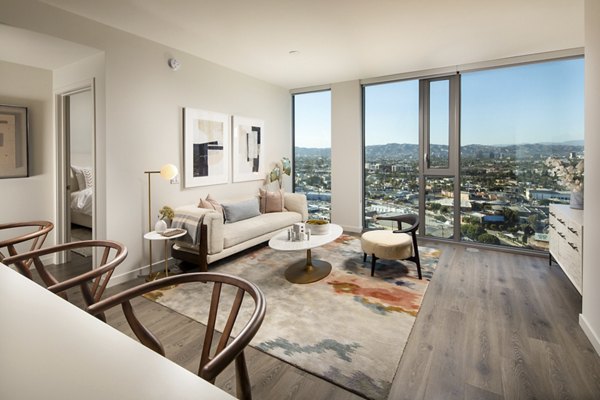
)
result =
(211, 204)
(247, 229)
(271, 201)
(241, 210)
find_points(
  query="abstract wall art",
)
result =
(248, 149)
(13, 142)
(206, 147)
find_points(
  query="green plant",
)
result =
(284, 167)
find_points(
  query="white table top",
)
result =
(158, 236)
(50, 349)
(281, 242)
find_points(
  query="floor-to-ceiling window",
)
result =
(512, 120)
(503, 124)
(312, 151)
(391, 153)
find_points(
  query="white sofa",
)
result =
(219, 239)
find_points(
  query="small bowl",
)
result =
(318, 227)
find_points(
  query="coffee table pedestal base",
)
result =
(307, 271)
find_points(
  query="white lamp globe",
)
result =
(168, 171)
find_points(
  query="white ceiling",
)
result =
(25, 47)
(341, 40)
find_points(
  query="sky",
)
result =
(532, 103)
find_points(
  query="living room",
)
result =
(139, 103)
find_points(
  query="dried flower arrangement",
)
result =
(166, 213)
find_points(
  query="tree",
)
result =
(488, 239)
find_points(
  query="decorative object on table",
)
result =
(172, 232)
(297, 232)
(160, 226)
(14, 132)
(345, 317)
(206, 147)
(318, 226)
(168, 172)
(248, 145)
(569, 173)
(284, 167)
(164, 214)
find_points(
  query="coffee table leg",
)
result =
(307, 271)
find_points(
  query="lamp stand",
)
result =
(151, 276)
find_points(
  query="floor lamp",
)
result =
(168, 172)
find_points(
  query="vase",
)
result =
(160, 226)
(576, 200)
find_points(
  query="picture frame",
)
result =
(248, 149)
(206, 147)
(14, 142)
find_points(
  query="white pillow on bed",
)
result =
(84, 176)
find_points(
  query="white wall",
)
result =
(346, 155)
(32, 198)
(143, 117)
(590, 315)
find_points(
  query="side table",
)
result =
(158, 236)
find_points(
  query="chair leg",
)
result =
(416, 256)
(364, 257)
(373, 260)
(243, 386)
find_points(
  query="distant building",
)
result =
(319, 196)
(547, 194)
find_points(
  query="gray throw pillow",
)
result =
(241, 210)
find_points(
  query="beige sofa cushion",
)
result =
(247, 229)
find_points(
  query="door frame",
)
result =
(63, 215)
(452, 171)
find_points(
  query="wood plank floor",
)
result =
(493, 325)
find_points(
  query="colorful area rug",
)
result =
(349, 328)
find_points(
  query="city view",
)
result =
(505, 190)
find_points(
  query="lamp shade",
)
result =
(168, 171)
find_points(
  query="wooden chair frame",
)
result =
(38, 236)
(98, 276)
(210, 366)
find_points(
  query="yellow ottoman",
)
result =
(387, 245)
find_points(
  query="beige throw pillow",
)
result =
(271, 201)
(211, 204)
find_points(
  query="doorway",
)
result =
(77, 170)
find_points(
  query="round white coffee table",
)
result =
(310, 270)
(152, 236)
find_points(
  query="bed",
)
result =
(82, 193)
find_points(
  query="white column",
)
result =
(346, 155)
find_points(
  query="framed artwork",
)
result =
(206, 147)
(248, 149)
(14, 131)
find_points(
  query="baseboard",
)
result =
(136, 273)
(354, 229)
(589, 332)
